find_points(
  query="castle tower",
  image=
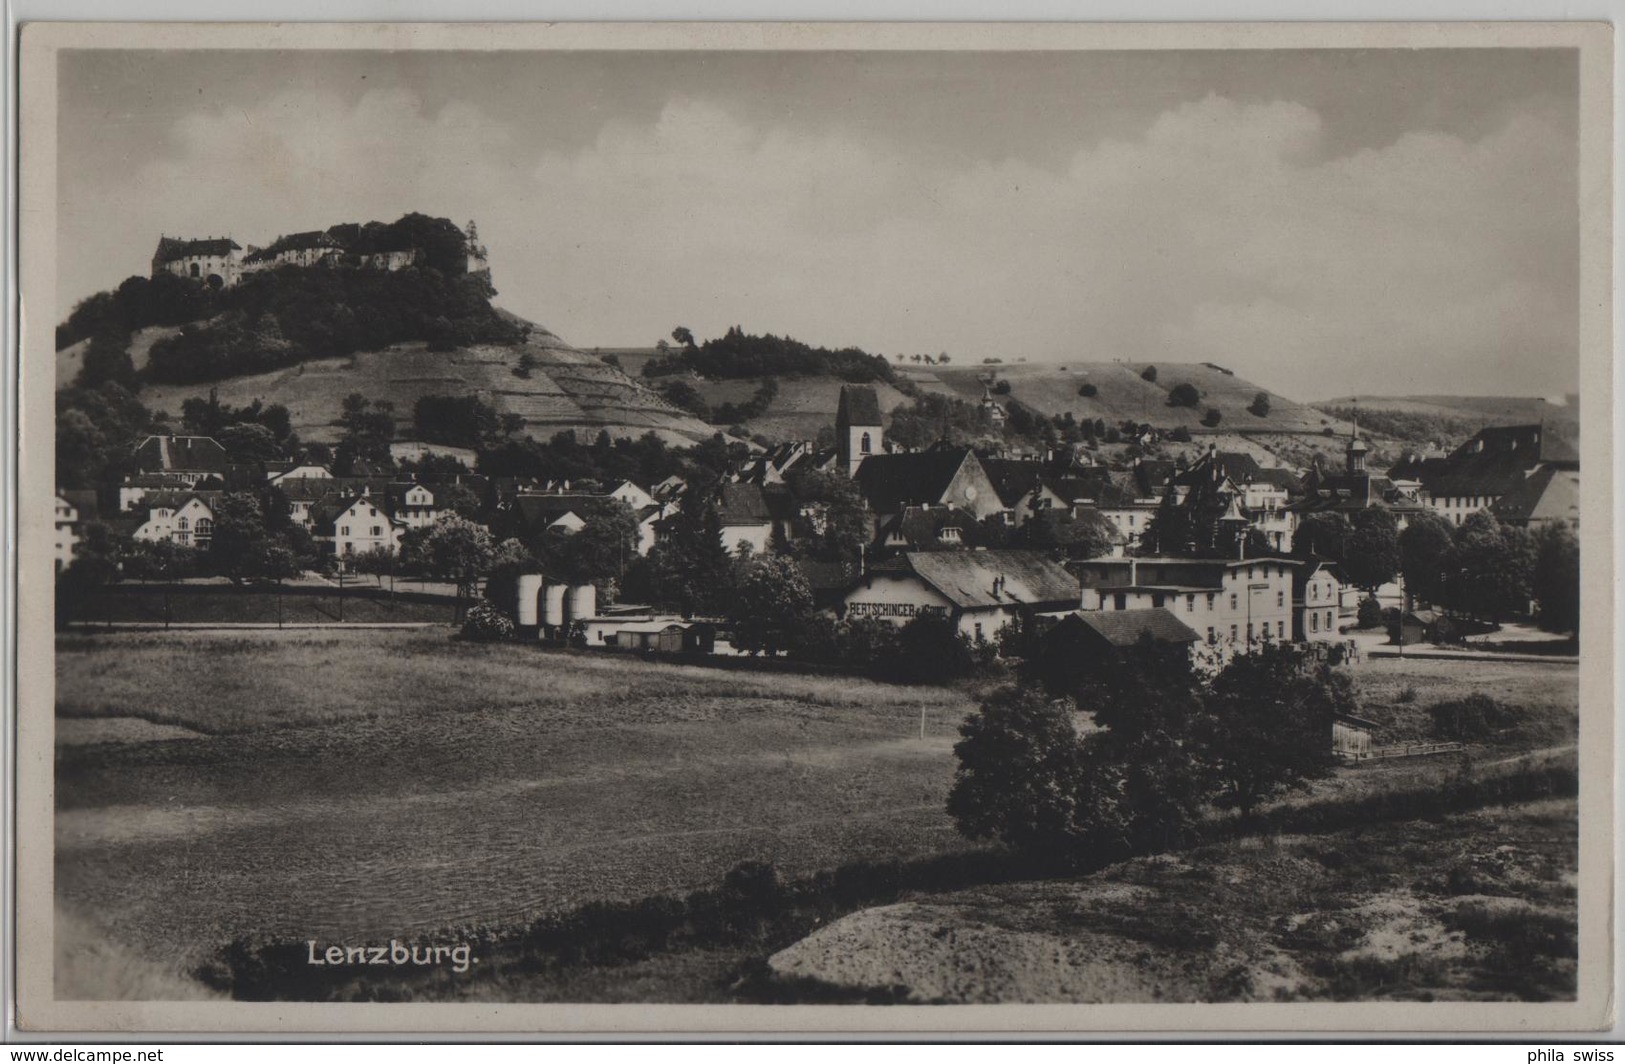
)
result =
(858, 428)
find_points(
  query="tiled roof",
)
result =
(980, 579)
(892, 481)
(1125, 628)
(1013, 479)
(1546, 495)
(922, 526)
(201, 454)
(743, 504)
(172, 248)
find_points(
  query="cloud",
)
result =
(1223, 232)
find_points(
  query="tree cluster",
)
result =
(739, 354)
(1166, 746)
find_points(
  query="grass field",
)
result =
(354, 785)
(130, 603)
(381, 783)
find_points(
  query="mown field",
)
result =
(353, 784)
(358, 785)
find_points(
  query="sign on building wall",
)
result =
(894, 609)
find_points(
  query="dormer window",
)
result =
(949, 535)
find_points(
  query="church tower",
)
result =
(1357, 451)
(858, 429)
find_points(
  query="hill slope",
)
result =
(1122, 395)
(566, 389)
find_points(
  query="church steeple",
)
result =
(858, 428)
(1357, 449)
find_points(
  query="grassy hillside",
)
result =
(565, 388)
(1123, 395)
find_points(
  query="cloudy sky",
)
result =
(1321, 222)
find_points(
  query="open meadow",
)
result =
(357, 785)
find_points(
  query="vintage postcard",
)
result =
(816, 528)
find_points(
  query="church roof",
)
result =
(892, 481)
(858, 406)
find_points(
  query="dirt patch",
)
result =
(84, 731)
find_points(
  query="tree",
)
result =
(1088, 391)
(771, 606)
(836, 525)
(1001, 388)
(688, 570)
(1213, 416)
(1322, 535)
(1149, 374)
(1555, 580)
(368, 429)
(107, 358)
(378, 562)
(683, 335)
(1022, 778)
(1493, 568)
(1371, 555)
(237, 549)
(1088, 534)
(456, 549)
(1184, 394)
(98, 558)
(1426, 546)
(1261, 405)
(1268, 726)
(248, 444)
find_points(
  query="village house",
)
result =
(746, 517)
(1494, 463)
(1235, 602)
(356, 525)
(185, 460)
(1316, 601)
(929, 528)
(1548, 496)
(73, 509)
(186, 521)
(296, 471)
(979, 591)
(1082, 640)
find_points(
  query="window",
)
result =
(1280, 599)
(1119, 601)
(205, 527)
(344, 530)
(1328, 620)
(1211, 637)
(1232, 600)
(194, 269)
(377, 530)
(1266, 629)
(1156, 602)
(1232, 633)
(1190, 603)
(864, 445)
(1314, 622)
(183, 524)
(978, 632)
(1210, 597)
(1314, 591)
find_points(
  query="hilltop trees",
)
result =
(1149, 374)
(1260, 406)
(1184, 394)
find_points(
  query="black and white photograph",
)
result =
(597, 519)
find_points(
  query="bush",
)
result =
(1181, 434)
(1475, 716)
(487, 624)
(1261, 405)
(1088, 391)
(1001, 388)
(1149, 374)
(1184, 394)
(1370, 613)
(1212, 418)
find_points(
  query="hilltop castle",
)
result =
(221, 262)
